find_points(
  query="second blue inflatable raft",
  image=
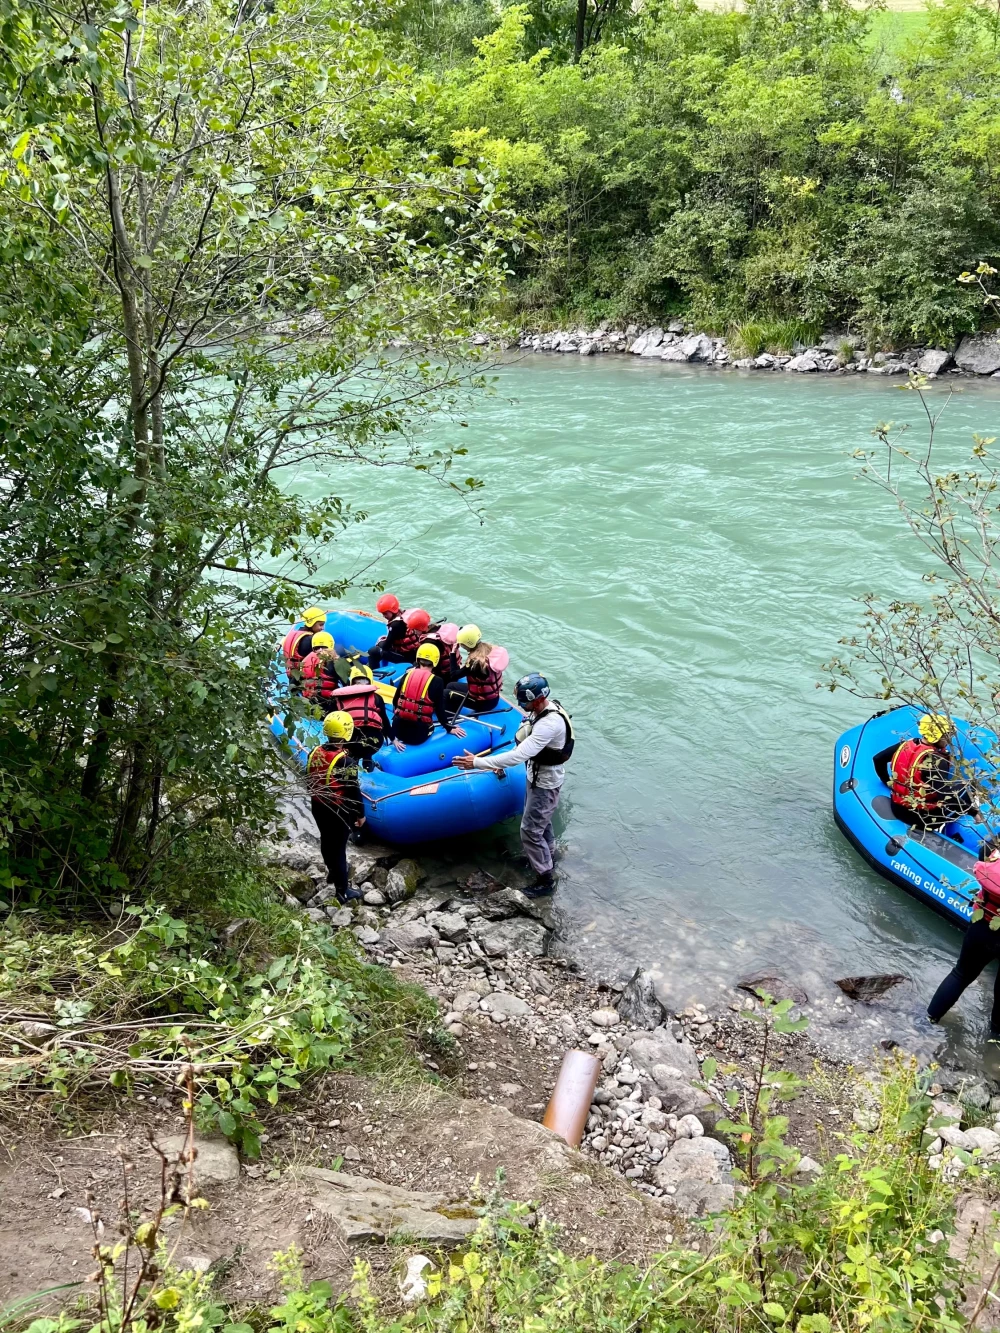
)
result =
(935, 867)
(417, 794)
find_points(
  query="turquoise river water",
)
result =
(679, 550)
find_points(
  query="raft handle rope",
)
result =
(430, 780)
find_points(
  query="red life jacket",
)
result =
(485, 687)
(409, 642)
(326, 770)
(412, 703)
(908, 778)
(290, 645)
(317, 683)
(359, 701)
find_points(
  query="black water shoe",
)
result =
(543, 887)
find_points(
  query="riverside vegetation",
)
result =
(217, 224)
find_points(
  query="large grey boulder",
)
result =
(698, 347)
(933, 361)
(367, 1210)
(979, 353)
(637, 1005)
(363, 858)
(517, 935)
(661, 1047)
(450, 926)
(806, 362)
(697, 1176)
(410, 936)
(503, 1002)
(646, 341)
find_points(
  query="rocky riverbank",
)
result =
(836, 353)
(485, 951)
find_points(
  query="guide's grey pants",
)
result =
(537, 838)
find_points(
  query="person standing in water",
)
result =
(544, 743)
(980, 944)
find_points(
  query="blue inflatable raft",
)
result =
(417, 794)
(932, 866)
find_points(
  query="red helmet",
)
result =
(418, 620)
(387, 604)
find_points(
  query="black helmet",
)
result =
(531, 687)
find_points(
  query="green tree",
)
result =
(212, 274)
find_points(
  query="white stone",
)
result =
(503, 1002)
(413, 1285)
(689, 1127)
(808, 1166)
(604, 1018)
(956, 1137)
(216, 1161)
(987, 1140)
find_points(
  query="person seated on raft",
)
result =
(921, 779)
(298, 643)
(445, 640)
(418, 700)
(318, 671)
(362, 701)
(403, 634)
(483, 670)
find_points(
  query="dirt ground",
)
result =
(426, 1139)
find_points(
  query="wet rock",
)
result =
(869, 988)
(805, 362)
(979, 353)
(216, 1161)
(367, 1210)
(646, 343)
(933, 361)
(505, 903)
(977, 1095)
(698, 347)
(697, 1174)
(503, 1002)
(766, 982)
(519, 934)
(638, 1005)
(409, 936)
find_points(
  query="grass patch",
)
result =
(778, 336)
(242, 996)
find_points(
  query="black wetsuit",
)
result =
(386, 650)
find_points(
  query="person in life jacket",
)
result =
(445, 640)
(980, 943)
(403, 634)
(419, 700)
(317, 674)
(363, 702)
(297, 643)
(920, 775)
(483, 669)
(545, 742)
(336, 800)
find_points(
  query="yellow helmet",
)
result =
(934, 727)
(362, 672)
(429, 652)
(469, 636)
(338, 726)
(312, 615)
(322, 640)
